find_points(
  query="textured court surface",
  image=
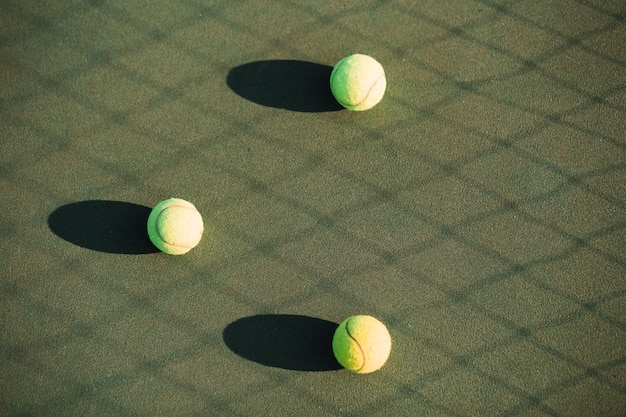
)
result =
(479, 210)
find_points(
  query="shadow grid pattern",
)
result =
(479, 210)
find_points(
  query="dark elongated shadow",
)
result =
(285, 84)
(284, 341)
(105, 226)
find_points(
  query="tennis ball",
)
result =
(362, 344)
(358, 82)
(175, 226)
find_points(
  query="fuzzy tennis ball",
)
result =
(358, 82)
(175, 226)
(362, 344)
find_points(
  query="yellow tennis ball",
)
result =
(175, 226)
(362, 344)
(358, 82)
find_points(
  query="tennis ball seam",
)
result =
(158, 231)
(344, 104)
(356, 342)
(368, 92)
(341, 92)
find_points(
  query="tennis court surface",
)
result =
(479, 210)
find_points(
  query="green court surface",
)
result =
(479, 210)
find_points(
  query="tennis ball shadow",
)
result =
(284, 341)
(105, 226)
(285, 84)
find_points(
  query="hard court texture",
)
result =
(479, 210)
